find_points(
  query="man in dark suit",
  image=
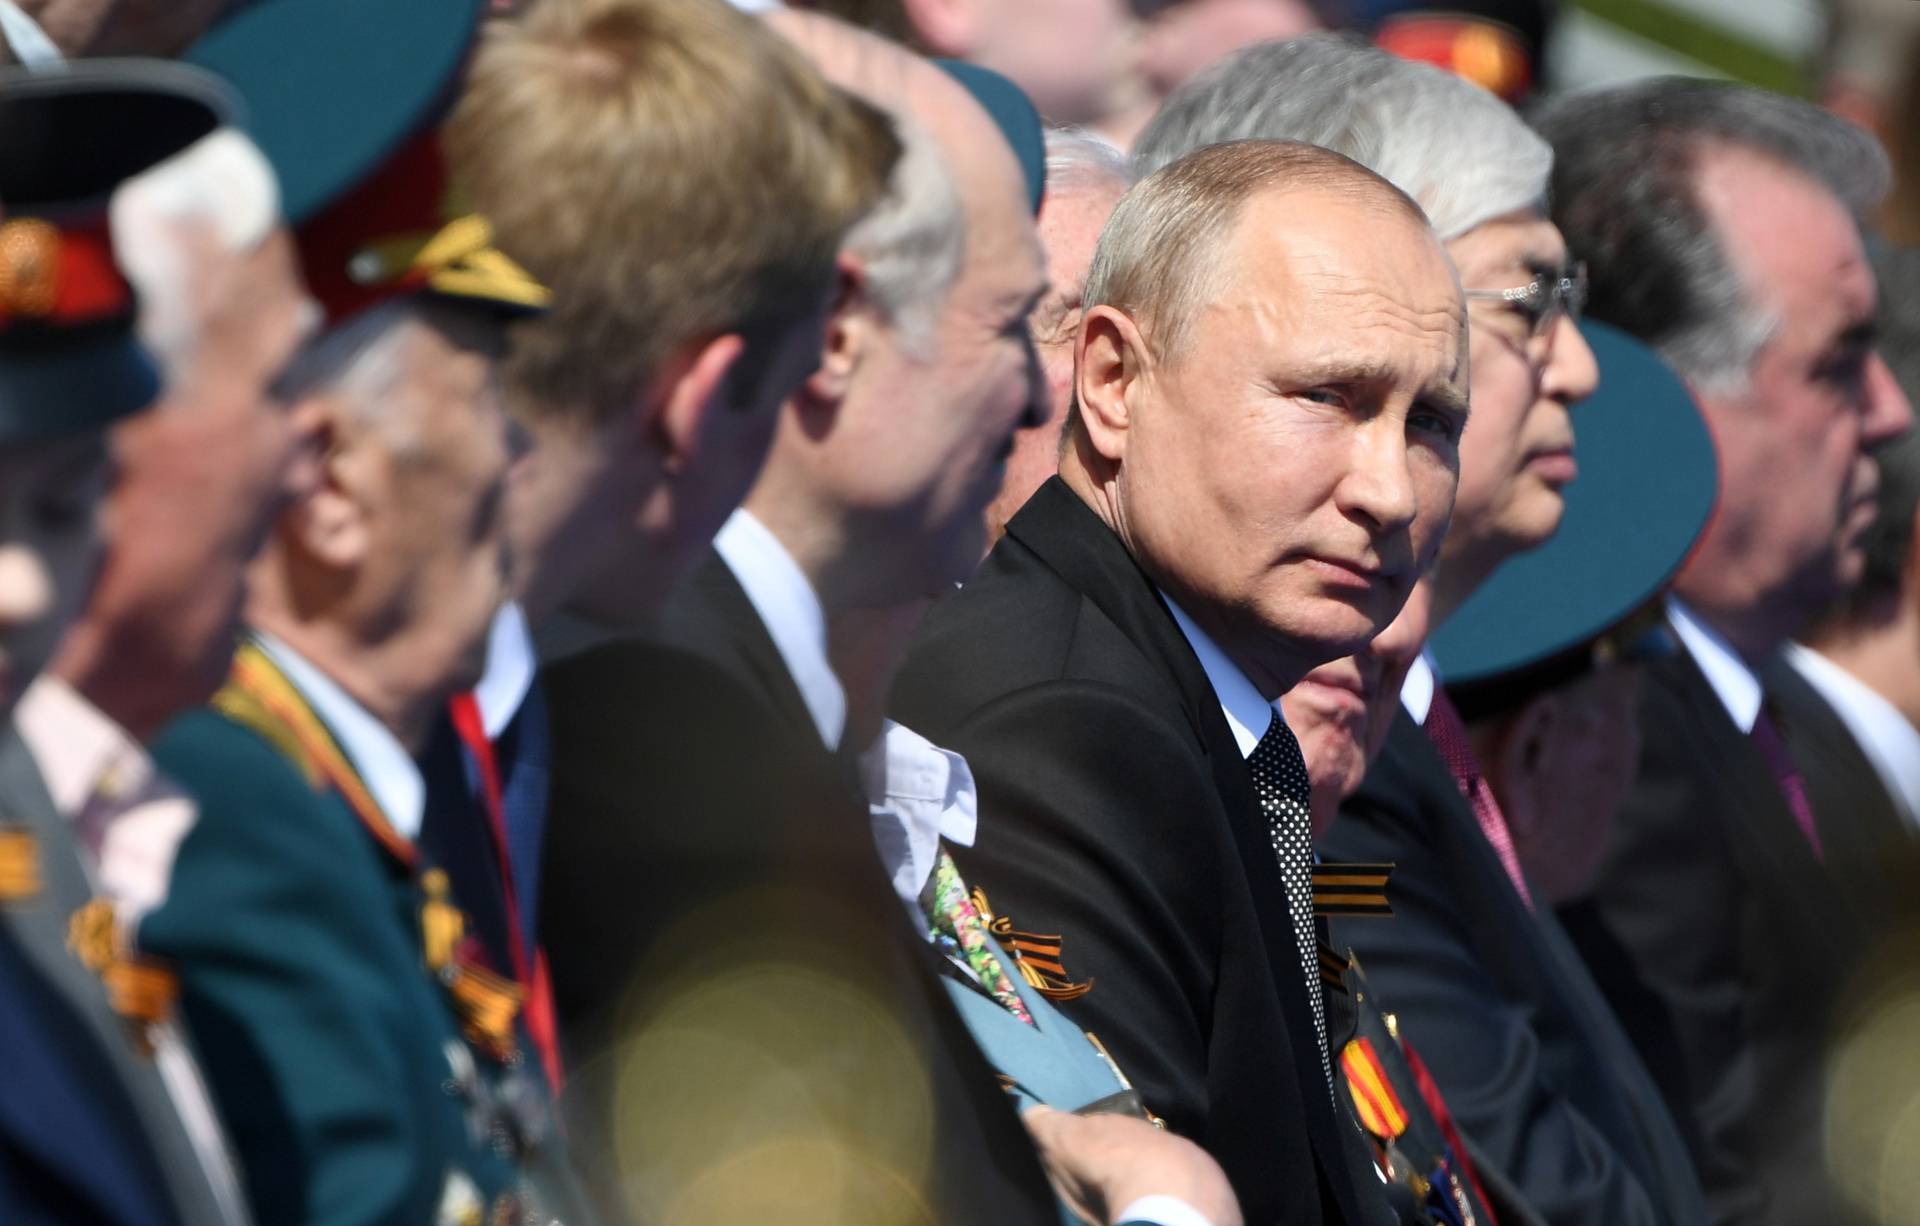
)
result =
(1252, 481)
(1722, 226)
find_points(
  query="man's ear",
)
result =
(851, 321)
(328, 517)
(1520, 766)
(689, 387)
(1109, 360)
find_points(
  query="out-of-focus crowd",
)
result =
(1173, 612)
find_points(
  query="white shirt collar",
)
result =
(1416, 692)
(510, 668)
(918, 794)
(1729, 675)
(384, 764)
(779, 591)
(1248, 714)
(1886, 736)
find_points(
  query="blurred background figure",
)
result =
(1085, 178)
(1722, 224)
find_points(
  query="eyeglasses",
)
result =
(1543, 299)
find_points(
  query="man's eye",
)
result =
(1433, 421)
(1324, 395)
(1844, 373)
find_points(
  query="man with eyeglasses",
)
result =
(1534, 1068)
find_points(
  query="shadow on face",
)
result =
(50, 493)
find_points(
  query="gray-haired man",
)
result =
(1721, 222)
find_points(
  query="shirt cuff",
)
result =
(1163, 1211)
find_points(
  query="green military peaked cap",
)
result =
(1647, 484)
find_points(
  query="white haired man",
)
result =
(1723, 224)
(1085, 178)
(1511, 1028)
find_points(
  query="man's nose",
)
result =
(1378, 484)
(1889, 412)
(1572, 372)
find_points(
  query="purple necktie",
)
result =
(1444, 728)
(1772, 746)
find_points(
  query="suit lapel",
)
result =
(714, 593)
(1070, 539)
(1629, 1099)
(1764, 837)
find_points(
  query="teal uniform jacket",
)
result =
(336, 1060)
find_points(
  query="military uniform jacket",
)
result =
(1534, 1067)
(1116, 810)
(296, 927)
(88, 1128)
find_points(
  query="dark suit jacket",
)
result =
(695, 831)
(1535, 1068)
(1116, 809)
(1713, 916)
(87, 1130)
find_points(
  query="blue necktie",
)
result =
(525, 766)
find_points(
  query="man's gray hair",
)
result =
(1160, 257)
(358, 362)
(1463, 154)
(1079, 162)
(1624, 195)
(914, 241)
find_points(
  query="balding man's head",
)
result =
(1158, 259)
(1271, 379)
(928, 367)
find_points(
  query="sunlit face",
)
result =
(1518, 458)
(1070, 222)
(434, 497)
(50, 493)
(1074, 58)
(1797, 478)
(1340, 712)
(923, 436)
(1288, 474)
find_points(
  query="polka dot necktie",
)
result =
(1280, 781)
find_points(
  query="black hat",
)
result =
(69, 360)
(1647, 484)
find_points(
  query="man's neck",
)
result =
(369, 676)
(1883, 655)
(1753, 631)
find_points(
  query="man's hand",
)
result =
(1100, 1164)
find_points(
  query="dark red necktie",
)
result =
(1773, 747)
(529, 961)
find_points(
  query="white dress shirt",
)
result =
(511, 663)
(1888, 739)
(384, 764)
(1248, 714)
(918, 795)
(1731, 677)
(1416, 691)
(790, 609)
